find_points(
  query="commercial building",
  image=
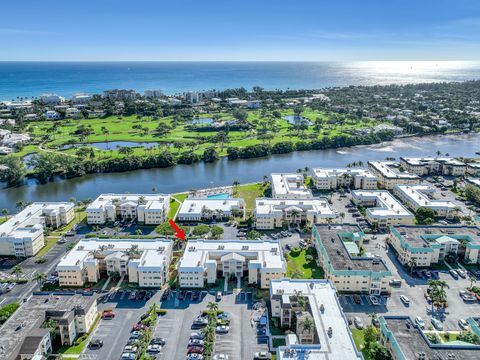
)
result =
(344, 262)
(22, 234)
(426, 245)
(326, 179)
(24, 337)
(416, 196)
(409, 342)
(150, 209)
(209, 260)
(383, 209)
(289, 186)
(294, 301)
(274, 213)
(200, 209)
(423, 166)
(388, 174)
(142, 261)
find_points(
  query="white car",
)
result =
(154, 348)
(405, 300)
(420, 322)
(463, 324)
(222, 329)
(220, 357)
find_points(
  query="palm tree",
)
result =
(411, 264)
(40, 278)
(307, 324)
(436, 290)
(5, 212)
(17, 271)
(212, 306)
(105, 132)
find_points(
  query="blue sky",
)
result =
(106, 30)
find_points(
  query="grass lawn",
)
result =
(249, 193)
(452, 337)
(274, 330)
(2, 220)
(358, 338)
(50, 241)
(299, 268)
(174, 205)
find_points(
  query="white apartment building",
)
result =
(22, 234)
(423, 166)
(326, 179)
(142, 261)
(389, 174)
(208, 260)
(473, 169)
(153, 94)
(52, 115)
(150, 209)
(80, 98)
(473, 181)
(384, 209)
(200, 209)
(51, 99)
(289, 186)
(323, 309)
(416, 196)
(274, 213)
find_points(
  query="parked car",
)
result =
(133, 295)
(193, 356)
(395, 283)
(222, 329)
(95, 344)
(357, 300)
(130, 349)
(420, 322)
(218, 296)
(140, 327)
(374, 300)
(197, 335)
(154, 348)
(463, 324)
(195, 295)
(181, 295)
(463, 274)
(195, 342)
(453, 273)
(128, 356)
(195, 349)
(262, 355)
(200, 321)
(108, 315)
(405, 300)
(358, 322)
(437, 324)
(220, 357)
(158, 341)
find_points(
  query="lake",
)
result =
(112, 145)
(224, 172)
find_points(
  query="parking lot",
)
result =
(414, 289)
(241, 342)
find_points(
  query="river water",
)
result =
(224, 172)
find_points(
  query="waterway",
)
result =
(224, 172)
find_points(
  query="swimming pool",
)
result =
(219, 196)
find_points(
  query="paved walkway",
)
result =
(106, 283)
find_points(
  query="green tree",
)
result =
(216, 231)
(424, 215)
(370, 336)
(5, 213)
(17, 271)
(40, 278)
(14, 170)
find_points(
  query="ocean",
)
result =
(30, 79)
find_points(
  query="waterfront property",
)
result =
(383, 209)
(327, 179)
(345, 263)
(389, 174)
(25, 335)
(141, 261)
(426, 245)
(22, 235)
(409, 342)
(473, 169)
(423, 166)
(201, 209)
(416, 196)
(289, 186)
(274, 213)
(150, 209)
(206, 261)
(295, 301)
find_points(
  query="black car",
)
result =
(141, 295)
(95, 344)
(158, 341)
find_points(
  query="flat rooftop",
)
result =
(385, 204)
(340, 259)
(268, 253)
(289, 183)
(319, 206)
(105, 199)
(417, 161)
(411, 342)
(318, 292)
(195, 205)
(419, 195)
(83, 250)
(31, 315)
(415, 235)
(389, 169)
(473, 181)
(327, 173)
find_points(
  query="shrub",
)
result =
(201, 229)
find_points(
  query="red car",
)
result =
(108, 315)
(140, 327)
(357, 299)
(195, 350)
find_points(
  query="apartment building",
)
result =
(80, 98)
(416, 196)
(289, 186)
(51, 99)
(382, 208)
(424, 166)
(344, 262)
(473, 169)
(473, 181)
(73, 314)
(275, 213)
(22, 234)
(327, 179)
(294, 301)
(423, 246)
(201, 209)
(150, 209)
(206, 261)
(120, 94)
(142, 261)
(388, 174)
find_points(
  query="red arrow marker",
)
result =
(179, 233)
